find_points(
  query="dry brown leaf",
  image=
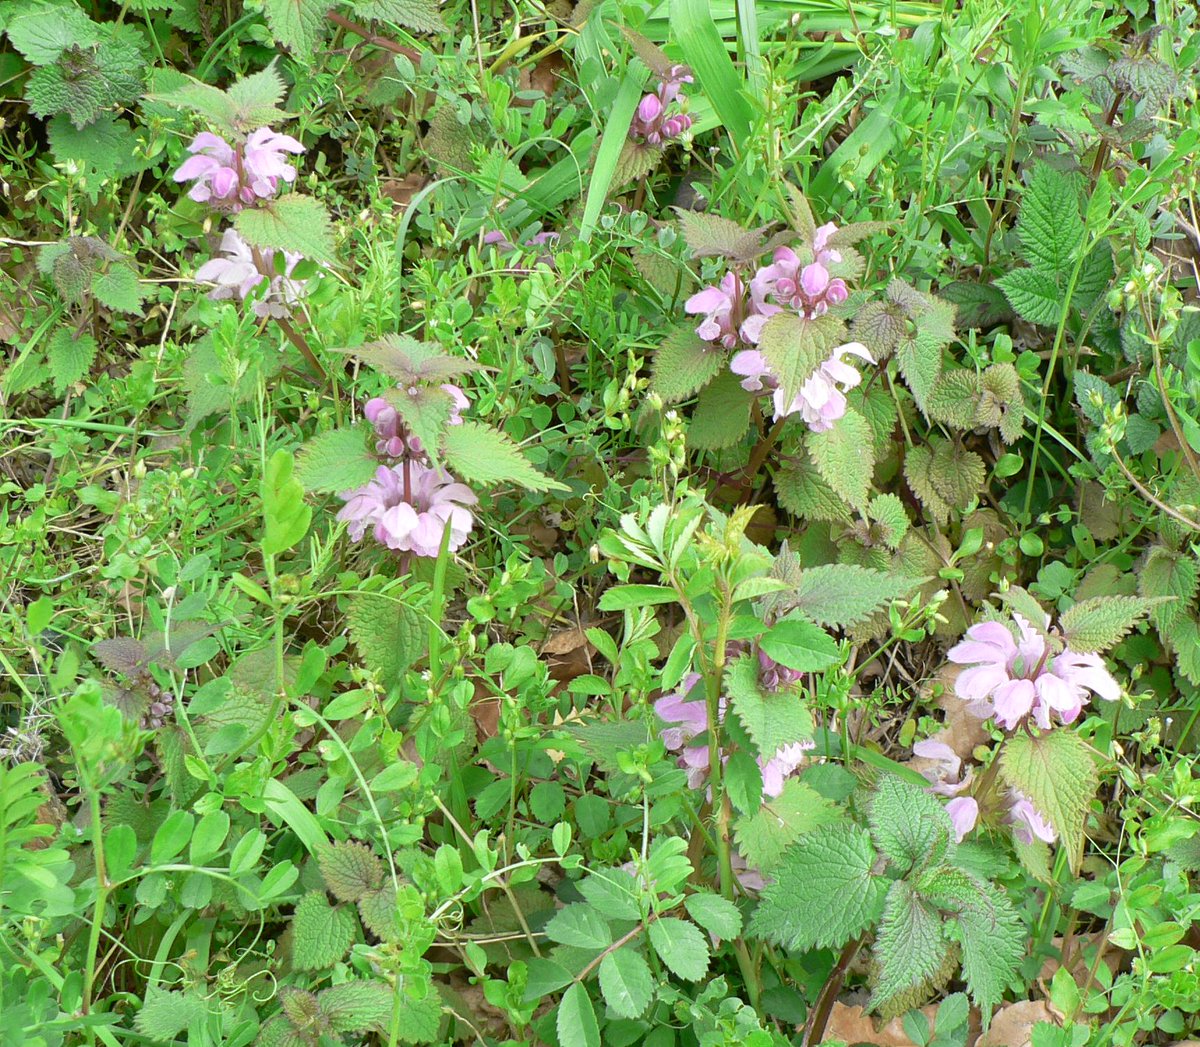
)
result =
(1012, 1026)
(854, 1025)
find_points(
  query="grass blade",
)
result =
(716, 76)
(611, 143)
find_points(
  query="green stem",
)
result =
(103, 887)
(1014, 128)
(713, 699)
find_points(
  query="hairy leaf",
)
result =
(1097, 624)
(908, 824)
(795, 347)
(291, 223)
(358, 1006)
(771, 720)
(1168, 573)
(843, 595)
(389, 634)
(764, 837)
(1050, 227)
(684, 364)
(350, 870)
(1034, 295)
(410, 361)
(335, 461)
(910, 946)
(844, 456)
(321, 933)
(70, 358)
(421, 15)
(824, 891)
(1056, 771)
(710, 235)
(721, 415)
(802, 491)
(480, 454)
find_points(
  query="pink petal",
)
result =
(1012, 701)
(976, 684)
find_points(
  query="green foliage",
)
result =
(285, 516)
(351, 870)
(626, 982)
(1099, 623)
(1057, 772)
(388, 634)
(681, 946)
(843, 595)
(335, 461)
(479, 454)
(842, 455)
(289, 223)
(765, 836)
(772, 719)
(683, 365)
(321, 933)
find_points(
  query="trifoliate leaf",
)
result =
(335, 461)
(294, 223)
(824, 892)
(845, 457)
(480, 454)
(763, 837)
(681, 946)
(350, 870)
(625, 982)
(1099, 623)
(390, 635)
(910, 946)
(1056, 771)
(321, 933)
(684, 364)
(772, 720)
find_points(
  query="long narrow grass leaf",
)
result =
(611, 143)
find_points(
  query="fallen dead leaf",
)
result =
(568, 653)
(1012, 1026)
(855, 1026)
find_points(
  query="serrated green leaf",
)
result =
(711, 236)
(771, 720)
(1033, 295)
(42, 33)
(321, 933)
(910, 946)
(104, 149)
(803, 492)
(824, 892)
(1056, 771)
(409, 361)
(681, 946)
(426, 412)
(1099, 623)
(576, 1021)
(625, 982)
(1050, 227)
(422, 15)
(119, 289)
(335, 461)
(715, 914)
(1168, 573)
(721, 415)
(164, 1015)
(844, 456)
(800, 645)
(683, 365)
(890, 518)
(764, 836)
(377, 910)
(908, 824)
(480, 454)
(350, 870)
(795, 346)
(293, 222)
(69, 358)
(580, 926)
(297, 24)
(843, 595)
(358, 1006)
(956, 473)
(390, 635)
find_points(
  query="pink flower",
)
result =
(237, 274)
(232, 176)
(725, 311)
(688, 719)
(412, 522)
(808, 289)
(946, 779)
(821, 249)
(1011, 676)
(821, 400)
(1027, 821)
(651, 123)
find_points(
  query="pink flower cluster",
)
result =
(653, 123)
(238, 272)
(393, 438)
(1012, 676)
(821, 400)
(946, 779)
(408, 507)
(687, 720)
(230, 177)
(733, 313)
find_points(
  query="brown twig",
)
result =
(818, 1018)
(343, 22)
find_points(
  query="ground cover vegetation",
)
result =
(620, 522)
